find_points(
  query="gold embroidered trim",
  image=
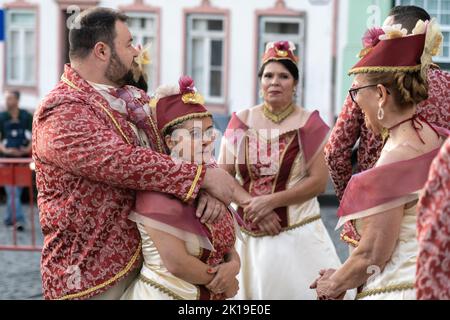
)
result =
(281, 58)
(297, 225)
(108, 282)
(384, 69)
(277, 118)
(110, 115)
(156, 132)
(184, 118)
(194, 183)
(350, 241)
(398, 287)
(160, 287)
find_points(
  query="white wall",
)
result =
(342, 43)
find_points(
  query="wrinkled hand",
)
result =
(209, 208)
(325, 287)
(233, 289)
(258, 207)
(225, 273)
(270, 224)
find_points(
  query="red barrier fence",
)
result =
(18, 172)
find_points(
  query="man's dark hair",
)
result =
(15, 93)
(408, 16)
(92, 26)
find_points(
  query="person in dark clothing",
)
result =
(15, 135)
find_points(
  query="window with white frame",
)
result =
(205, 55)
(277, 28)
(143, 28)
(21, 48)
(440, 9)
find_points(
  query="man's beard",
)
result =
(117, 72)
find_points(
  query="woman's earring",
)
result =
(295, 93)
(261, 93)
(380, 114)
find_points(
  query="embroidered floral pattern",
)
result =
(433, 226)
(85, 174)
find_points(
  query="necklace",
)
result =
(278, 117)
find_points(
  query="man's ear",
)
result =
(102, 51)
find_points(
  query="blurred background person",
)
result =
(15, 135)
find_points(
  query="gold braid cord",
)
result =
(398, 287)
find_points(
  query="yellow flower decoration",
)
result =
(193, 98)
(393, 32)
(144, 55)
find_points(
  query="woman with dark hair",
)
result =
(275, 150)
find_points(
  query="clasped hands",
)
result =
(225, 280)
(326, 287)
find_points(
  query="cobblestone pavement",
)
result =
(19, 271)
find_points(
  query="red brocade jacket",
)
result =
(88, 167)
(433, 231)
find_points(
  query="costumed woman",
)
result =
(183, 258)
(275, 151)
(381, 202)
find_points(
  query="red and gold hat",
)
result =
(280, 50)
(391, 49)
(186, 103)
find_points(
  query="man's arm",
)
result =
(338, 150)
(73, 138)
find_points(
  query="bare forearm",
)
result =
(192, 270)
(240, 195)
(303, 191)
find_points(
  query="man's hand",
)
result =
(258, 208)
(219, 184)
(270, 224)
(209, 208)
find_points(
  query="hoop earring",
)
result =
(380, 114)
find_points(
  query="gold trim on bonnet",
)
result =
(398, 287)
(184, 118)
(280, 58)
(108, 282)
(384, 69)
